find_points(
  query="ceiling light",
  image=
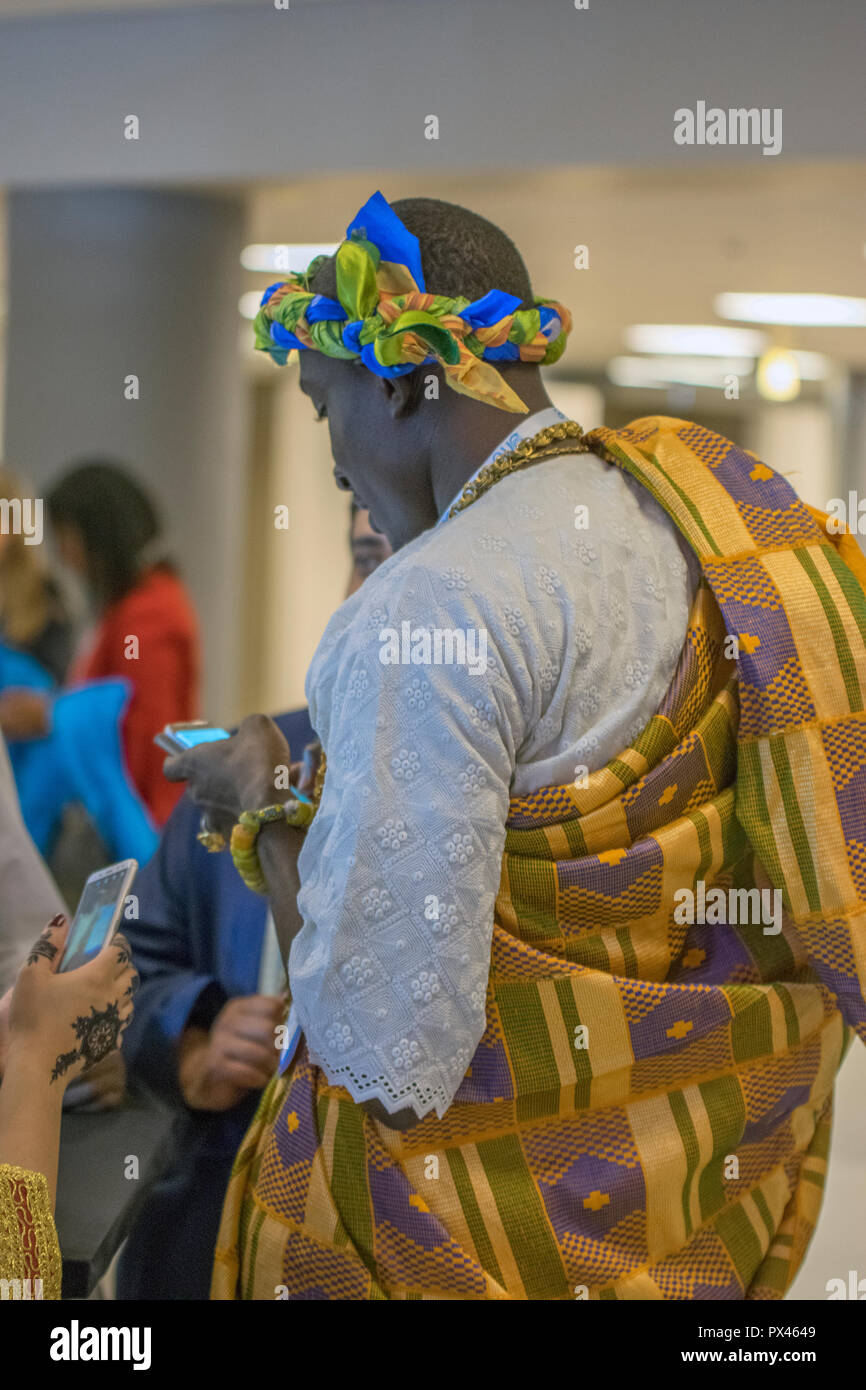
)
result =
(658, 372)
(283, 256)
(778, 376)
(807, 310)
(249, 303)
(703, 339)
(635, 371)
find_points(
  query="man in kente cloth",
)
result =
(603, 676)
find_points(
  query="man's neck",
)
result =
(469, 432)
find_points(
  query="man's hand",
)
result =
(218, 1068)
(235, 774)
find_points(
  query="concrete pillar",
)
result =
(854, 439)
(109, 283)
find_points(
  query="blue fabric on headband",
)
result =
(549, 318)
(369, 359)
(383, 228)
(350, 334)
(492, 307)
(508, 352)
(269, 291)
(283, 338)
(320, 307)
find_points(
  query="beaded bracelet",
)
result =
(246, 833)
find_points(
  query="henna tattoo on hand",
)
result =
(44, 948)
(97, 1036)
(63, 1063)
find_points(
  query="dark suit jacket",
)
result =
(197, 943)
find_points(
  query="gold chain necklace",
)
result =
(565, 437)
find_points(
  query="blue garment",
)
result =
(197, 943)
(80, 760)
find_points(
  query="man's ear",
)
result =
(399, 394)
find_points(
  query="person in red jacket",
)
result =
(146, 629)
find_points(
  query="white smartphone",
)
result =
(98, 913)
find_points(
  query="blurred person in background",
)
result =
(370, 549)
(146, 631)
(28, 894)
(32, 616)
(203, 1036)
(53, 1026)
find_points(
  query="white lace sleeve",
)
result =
(401, 865)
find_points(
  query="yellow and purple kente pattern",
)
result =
(648, 1113)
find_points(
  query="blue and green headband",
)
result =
(384, 317)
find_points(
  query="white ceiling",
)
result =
(662, 243)
(31, 8)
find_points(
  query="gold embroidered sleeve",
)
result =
(30, 1264)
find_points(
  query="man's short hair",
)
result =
(461, 253)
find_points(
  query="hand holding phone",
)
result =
(248, 771)
(179, 738)
(62, 1022)
(98, 913)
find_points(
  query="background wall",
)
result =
(305, 570)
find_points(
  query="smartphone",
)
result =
(98, 913)
(177, 738)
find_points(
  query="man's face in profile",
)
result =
(369, 549)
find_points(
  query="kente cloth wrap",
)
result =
(648, 1113)
(384, 317)
(30, 1265)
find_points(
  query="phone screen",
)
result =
(176, 738)
(191, 738)
(100, 906)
